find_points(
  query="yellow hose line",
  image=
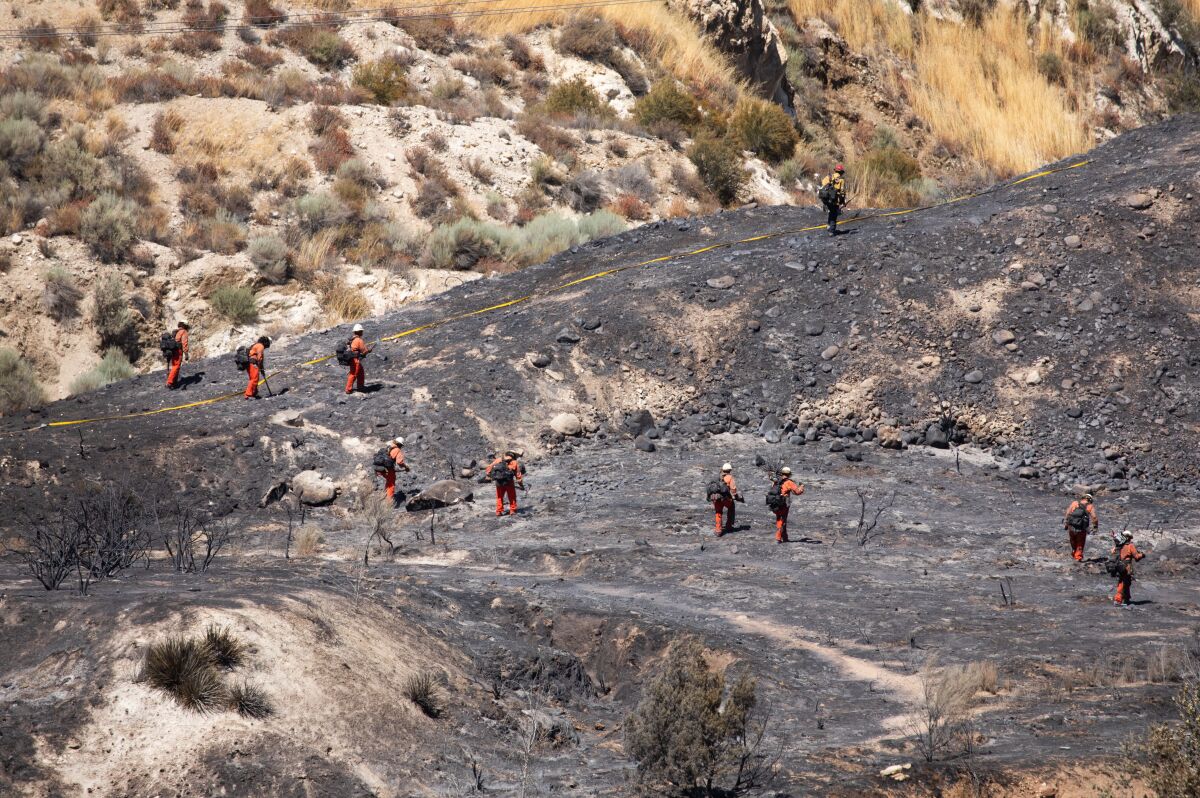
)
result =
(556, 289)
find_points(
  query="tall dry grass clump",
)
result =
(982, 93)
(865, 25)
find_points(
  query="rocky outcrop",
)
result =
(1145, 35)
(741, 29)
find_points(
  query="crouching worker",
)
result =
(508, 474)
(1125, 554)
(779, 500)
(723, 493)
(387, 460)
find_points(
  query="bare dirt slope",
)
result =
(560, 613)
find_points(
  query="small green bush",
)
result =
(790, 172)
(114, 366)
(19, 388)
(69, 167)
(60, 295)
(111, 315)
(763, 128)
(466, 242)
(320, 210)
(383, 80)
(667, 101)
(23, 105)
(321, 46)
(357, 171)
(270, 254)
(236, 303)
(719, 165)
(575, 97)
(462, 245)
(600, 224)
(109, 227)
(21, 140)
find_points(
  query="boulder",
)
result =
(443, 493)
(937, 437)
(638, 422)
(1139, 201)
(539, 359)
(644, 444)
(830, 352)
(721, 283)
(566, 424)
(889, 438)
(813, 328)
(1003, 337)
(974, 376)
(1073, 242)
(313, 489)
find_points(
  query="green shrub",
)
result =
(60, 295)
(1183, 91)
(790, 172)
(667, 101)
(21, 140)
(575, 97)
(114, 366)
(68, 167)
(357, 171)
(23, 105)
(220, 232)
(1051, 67)
(892, 163)
(112, 318)
(1097, 24)
(462, 245)
(270, 254)
(600, 224)
(320, 210)
(109, 227)
(321, 46)
(466, 242)
(383, 80)
(763, 128)
(692, 730)
(236, 303)
(19, 388)
(1168, 758)
(719, 165)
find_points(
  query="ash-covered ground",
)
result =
(973, 364)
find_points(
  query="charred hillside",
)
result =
(1053, 321)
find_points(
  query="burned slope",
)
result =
(1055, 320)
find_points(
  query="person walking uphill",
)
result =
(177, 354)
(508, 473)
(779, 501)
(257, 365)
(723, 493)
(1079, 518)
(1125, 555)
(387, 461)
(356, 351)
(833, 195)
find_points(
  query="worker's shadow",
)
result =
(808, 540)
(191, 379)
(372, 387)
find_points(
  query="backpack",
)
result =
(383, 461)
(828, 194)
(1117, 567)
(775, 497)
(501, 473)
(345, 355)
(718, 490)
(169, 345)
(241, 358)
(1079, 519)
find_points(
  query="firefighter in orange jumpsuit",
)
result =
(179, 355)
(1127, 554)
(785, 488)
(1079, 518)
(508, 473)
(727, 504)
(396, 455)
(360, 350)
(257, 366)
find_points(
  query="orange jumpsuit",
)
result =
(181, 335)
(789, 488)
(727, 505)
(1130, 554)
(357, 373)
(389, 475)
(506, 483)
(1078, 537)
(257, 355)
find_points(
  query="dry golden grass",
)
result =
(308, 541)
(675, 41)
(341, 301)
(978, 88)
(236, 135)
(315, 252)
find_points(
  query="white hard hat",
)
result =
(358, 328)
(398, 441)
(787, 472)
(1125, 534)
(183, 322)
(726, 467)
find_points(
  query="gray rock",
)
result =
(1027, 472)
(644, 444)
(1073, 242)
(566, 336)
(936, 437)
(813, 328)
(830, 352)
(740, 417)
(443, 493)
(1003, 337)
(974, 376)
(313, 489)
(638, 422)
(539, 359)
(723, 282)
(590, 323)
(1139, 201)
(273, 494)
(1033, 377)
(837, 446)
(566, 424)
(289, 418)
